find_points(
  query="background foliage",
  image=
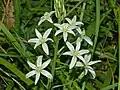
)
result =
(15, 50)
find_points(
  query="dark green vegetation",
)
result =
(101, 20)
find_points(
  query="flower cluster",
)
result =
(75, 52)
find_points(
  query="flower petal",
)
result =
(41, 20)
(45, 48)
(50, 20)
(45, 64)
(65, 35)
(92, 72)
(70, 46)
(79, 64)
(86, 71)
(37, 77)
(51, 12)
(46, 34)
(49, 39)
(93, 62)
(58, 25)
(70, 31)
(38, 34)
(31, 65)
(69, 21)
(33, 40)
(88, 40)
(73, 62)
(78, 45)
(87, 58)
(79, 23)
(37, 44)
(31, 73)
(47, 74)
(81, 58)
(79, 30)
(74, 18)
(58, 32)
(81, 52)
(39, 61)
(68, 53)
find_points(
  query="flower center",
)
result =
(42, 40)
(65, 29)
(75, 53)
(39, 69)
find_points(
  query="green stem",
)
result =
(82, 11)
(97, 23)
(55, 55)
(119, 46)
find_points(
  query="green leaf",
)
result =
(15, 71)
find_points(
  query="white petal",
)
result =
(58, 25)
(58, 32)
(81, 58)
(31, 65)
(33, 40)
(37, 77)
(88, 40)
(47, 74)
(79, 30)
(51, 12)
(46, 34)
(74, 19)
(49, 39)
(70, 46)
(31, 73)
(79, 23)
(65, 35)
(73, 62)
(37, 44)
(38, 34)
(70, 31)
(86, 71)
(39, 61)
(68, 53)
(45, 48)
(50, 20)
(81, 52)
(69, 21)
(92, 72)
(45, 64)
(79, 64)
(87, 58)
(78, 45)
(41, 20)
(93, 62)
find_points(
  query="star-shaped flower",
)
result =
(75, 53)
(65, 29)
(46, 17)
(42, 40)
(39, 68)
(83, 36)
(73, 22)
(86, 64)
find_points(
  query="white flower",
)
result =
(65, 29)
(42, 40)
(87, 65)
(39, 68)
(46, 17)
(83, 36)
(73, 22)
(75, 53)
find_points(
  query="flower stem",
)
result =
(55, 55)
